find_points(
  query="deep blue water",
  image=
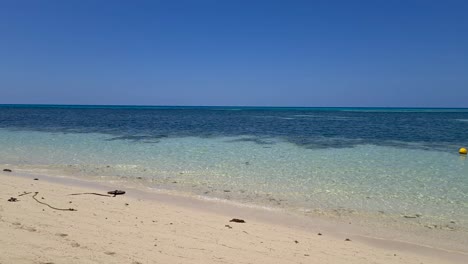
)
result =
(434, 129)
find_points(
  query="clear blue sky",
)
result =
(233, 52)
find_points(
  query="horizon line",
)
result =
(243, 106)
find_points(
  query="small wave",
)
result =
(239, 204)
(462, 120)
(125, 166)
(211, 199)
(276, 117)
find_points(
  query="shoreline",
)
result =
(383, 227)
(277, 219)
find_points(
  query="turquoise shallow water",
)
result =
(370, 162)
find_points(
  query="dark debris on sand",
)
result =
(237, 220)
(116, 192)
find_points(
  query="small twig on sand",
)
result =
(25, 193)
(55, 208)
(100, 194)
(109, 194)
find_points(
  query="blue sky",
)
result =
(264, 53)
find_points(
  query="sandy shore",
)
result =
(131, 229)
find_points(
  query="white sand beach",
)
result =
(131, 229)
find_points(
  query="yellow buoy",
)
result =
(463, 151)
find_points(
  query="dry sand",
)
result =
(131, 229)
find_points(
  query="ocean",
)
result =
(399, 165)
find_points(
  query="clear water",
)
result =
(335, 161)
